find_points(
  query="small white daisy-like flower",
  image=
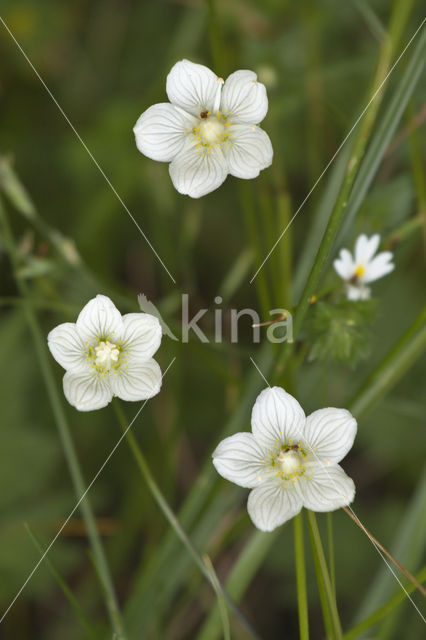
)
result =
(364, 267)
(106, 354)
(289, 460)
(208, 129)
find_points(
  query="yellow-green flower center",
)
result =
(211, 130)
(106, 354)
(290, 462)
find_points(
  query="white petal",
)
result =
(357, 292)
(276, 418)
(196, 173)
(240, 459)
(86, 391)
(100, 319)
(270, 505)
(67, 347)
(344, 265)
(193, 87)
(160, 131)
(249, 151)
(379, 267)
(141, 335)
(139, 381)
(365, 248)
(243, 98)
(330, 434)
(327, 488)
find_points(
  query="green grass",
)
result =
(65, 237)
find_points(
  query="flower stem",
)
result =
(157, 494)
(302, 600)
(65, 435)
(330, 541)
(331, 615)
(385, 551)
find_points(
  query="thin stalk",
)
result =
(384, 133)
(302, 599)
(200, 495)
(384, 610)
(65, 435)
(330, 544)
(385, 551)
(418, 172)
(223, 610)
(169, 513)
(324, 581)
(240, 576)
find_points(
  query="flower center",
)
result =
(212, 130)
(359, 271)
(106, 355)
(290, 462)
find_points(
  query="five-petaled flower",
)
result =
(289, 460)
(364, 267)
(208, 129)
(106, 354)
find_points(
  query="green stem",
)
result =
(240, 576)
(302, 600)
(168, 512)
(330, 540)
(331, 617)
(65, 435)
(418, 172)
(223, 610)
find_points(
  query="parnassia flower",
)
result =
(364, 267)
(289, 461)
(208, 129)
(106, 354)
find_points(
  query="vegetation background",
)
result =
(105, 63)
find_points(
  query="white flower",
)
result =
(289, 461)
(106, 354)
(209, 129)
(363, 268)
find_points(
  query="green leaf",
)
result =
(341, 331)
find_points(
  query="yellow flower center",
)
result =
(107, 355)
(211, 130)
(359, 271)
(290, 462)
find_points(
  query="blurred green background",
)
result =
(105, 63)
